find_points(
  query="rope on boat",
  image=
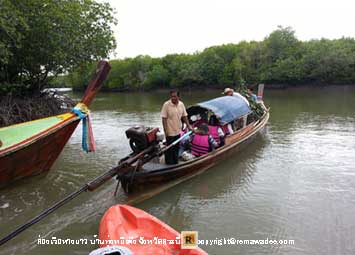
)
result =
(117, 186)
(83, 112)
(139, 163)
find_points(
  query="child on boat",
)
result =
(215, 130)
(201, 142)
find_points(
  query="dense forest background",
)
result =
(40, 39)
(58, 43)
(280, 59)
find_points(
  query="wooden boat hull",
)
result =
(149, 177)
(37, 157)
(34, 153)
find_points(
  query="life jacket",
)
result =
(225, 129)
(200, 145)
(214, 133)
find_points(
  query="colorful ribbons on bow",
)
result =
(88, 143)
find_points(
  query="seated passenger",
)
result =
(215, 130)
(238, 124)
(227, 129)
(251, 95)
(230, 92)
(202, 142)
(197, 120)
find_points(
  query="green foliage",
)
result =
(137, 73)
(280, 44)
(212, 66)
(16, 90)
(11, 22)
(327, 61)
(39, 38)
(80, 77)
(158, 77)
(279, 59)
(257, 109)
(188, 71)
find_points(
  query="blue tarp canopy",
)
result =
(226, 108)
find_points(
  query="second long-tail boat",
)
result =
(151, 170)
(31, 148)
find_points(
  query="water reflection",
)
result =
(295, 182)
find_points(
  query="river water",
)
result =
(295, 183)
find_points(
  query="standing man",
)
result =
(172, 112)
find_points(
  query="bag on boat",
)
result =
(186, 156)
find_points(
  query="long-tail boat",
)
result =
(151, 171)
(127, 230)
(31, 148)
(144, 168)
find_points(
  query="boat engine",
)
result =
(141, 137)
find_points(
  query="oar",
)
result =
(175, 142)
(92, 185)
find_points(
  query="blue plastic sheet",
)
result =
(227, 108)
